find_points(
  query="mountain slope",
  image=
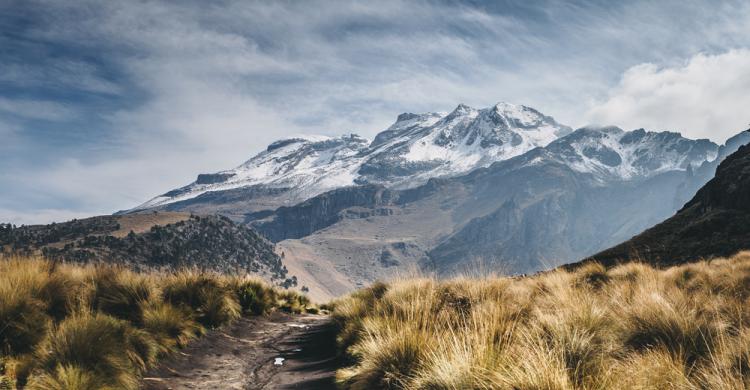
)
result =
(150, 241)
(414, 149)
(546, 207)
(503, 188)
(713, 223)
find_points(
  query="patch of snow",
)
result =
(611, 153)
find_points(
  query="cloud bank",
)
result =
(706, 97)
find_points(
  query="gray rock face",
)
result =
(558, 217)
(212, 178)
(319, 212)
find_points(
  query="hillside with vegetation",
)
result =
(714, 223)
(152, 241)
(627, 327)
(65, 327)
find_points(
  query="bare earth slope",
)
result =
(242, 356)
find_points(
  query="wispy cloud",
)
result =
(36, 109)
(114, 102)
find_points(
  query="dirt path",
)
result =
(242, 356)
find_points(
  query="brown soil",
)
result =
(242, 356)
(141, 223)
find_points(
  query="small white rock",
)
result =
(302, 326)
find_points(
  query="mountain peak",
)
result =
(462, 108)
(418, 147)
(608, 152)
(404, 123)
(406, 116)
(504, 107)
(518, 112)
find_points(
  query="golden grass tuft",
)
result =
(100, 327)
(630, 327)
(253, 295)
(68, 378)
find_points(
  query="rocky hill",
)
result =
(151, 241)
(715, 222)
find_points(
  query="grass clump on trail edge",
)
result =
(627, 327)
(65, 327)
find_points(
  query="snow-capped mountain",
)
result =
(414, 149)
(518, 192)
(306, 166)
(419, 147)
(610, 153)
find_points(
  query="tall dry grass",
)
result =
(629, 327)
(100, 327)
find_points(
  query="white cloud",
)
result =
(211, 86)
(706, 97)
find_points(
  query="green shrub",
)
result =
(171, 326)
(120, 294)
(292, 302)
(212, 302)
(254, 296)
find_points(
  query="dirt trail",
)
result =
(242, 356)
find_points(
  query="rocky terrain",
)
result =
(714, 223)
(162, 241)
(243, 356)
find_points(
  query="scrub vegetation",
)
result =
(627, 327)
(100, 327)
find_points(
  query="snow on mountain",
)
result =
(307, 165)
(414, 149)
(457, 143)
(418, 147)
(610, 153)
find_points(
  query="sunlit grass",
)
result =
(629, 327)
(101, 327)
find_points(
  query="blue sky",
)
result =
(106, 104)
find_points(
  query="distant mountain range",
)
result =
(499, 189)
(716, 222)
(414, 149)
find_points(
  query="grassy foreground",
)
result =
(100, 327)
(629, 327)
